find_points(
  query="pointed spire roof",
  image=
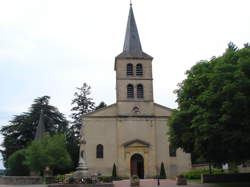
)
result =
(40, 130)
(132, 44)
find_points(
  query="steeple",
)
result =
(132, 45)
(40, 130)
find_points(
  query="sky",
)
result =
(50, 47)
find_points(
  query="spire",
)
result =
(132, 44)
(40, 130)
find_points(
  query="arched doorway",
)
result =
(137, 165)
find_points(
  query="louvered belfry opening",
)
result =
(130, 91)
(140, 92)
(139, 70)
(130, 69)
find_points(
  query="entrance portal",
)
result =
(137, 165)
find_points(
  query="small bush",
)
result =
(49, 180)
(106, 179)
(162, 172)
(72, 180)
(114, 175)
(16, 165)
(196, 174)
(59, 178)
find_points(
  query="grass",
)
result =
(194, 180)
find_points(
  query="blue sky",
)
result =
(50, 47)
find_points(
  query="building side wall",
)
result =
(101, 131)
(173, 165)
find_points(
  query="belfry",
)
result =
(132, 133)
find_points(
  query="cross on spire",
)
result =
(130, 2)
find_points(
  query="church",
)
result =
(132, 133)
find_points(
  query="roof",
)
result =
(40, 130)
(132, 45)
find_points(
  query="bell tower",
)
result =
(134, 80)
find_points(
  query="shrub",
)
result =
(72, 180)
(59, 178)
(106, 179)
(162, 172)
(114, 175)
(15, 164)
(196, 174)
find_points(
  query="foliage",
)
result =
(50, 152)
(82, 104)
(114, 174)
(213, 108)
(105, 179)
(101, 105)
(196, 174)
(21, 129)
(162, 172)
(16, 166)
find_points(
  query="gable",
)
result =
(110, 110)
(162, 110)
(136, 143)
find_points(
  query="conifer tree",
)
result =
(162, 172)
(114, 175)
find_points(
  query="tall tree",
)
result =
(82, 104)
(212, 119)
(21, 129)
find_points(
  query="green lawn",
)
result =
(194, 180)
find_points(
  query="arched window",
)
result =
(130, 69)
(99, 151)
(139, 70)
(140, 92)
(130, 91)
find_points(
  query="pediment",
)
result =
(136, 143)
(110, 110)
(162, 110)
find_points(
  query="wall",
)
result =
(20, 180)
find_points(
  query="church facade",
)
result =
(132, 133)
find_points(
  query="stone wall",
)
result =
(23, 180)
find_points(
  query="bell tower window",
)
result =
(139, 70)
(130, 91)
(140, 92)
(130, 69)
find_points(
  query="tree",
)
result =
(101, 105)
(82, 104)
(16, 166)
(163, 172)
(21, 129)
(114, 174)
(50, 152)
(212, 119)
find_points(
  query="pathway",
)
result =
(153, 183)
